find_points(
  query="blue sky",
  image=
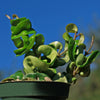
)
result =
(48, 17)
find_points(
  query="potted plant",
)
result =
(40, 79)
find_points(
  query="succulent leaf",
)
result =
(71, 49)
(28, 44)
(80, 48)
(81, 40)
(91, 58)
(23, 25)
(70, 68)
(18, 42)
(31, 61)
(80, 59)
(18, 75)
(23, 33)
(49, 52)
(51, 72)
(66, 36)
(59, 62)
(72, 28)
(14, 22)
(56, 44)
(60, 78)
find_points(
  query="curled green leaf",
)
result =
(56, 44)
(82, 38)
(66, 36)
(59, 62)
(19, 51)
(80, 48)
(66, 55)
(18, 75)
(39, 39)
(14, 22)
(66, 58)
(23, 25)
(30, 62)
(28, 44)
(72, 28)
(51, 72)
(70, 68)
(18, 42)
(49, 52)
(23, 33)
(91, 58)
(59, 77)
(80, 59)
(71, 49)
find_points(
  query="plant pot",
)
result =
(28, 90)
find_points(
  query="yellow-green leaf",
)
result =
(72, 28)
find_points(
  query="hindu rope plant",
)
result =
(40, 60)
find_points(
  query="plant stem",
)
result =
(14, 16)
(8, 17)
(75, 71)
(87, 51)
(78, 35)
(63, 52)
(75, 35)
(59, 51)
(91, 44)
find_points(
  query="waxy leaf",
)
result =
(66, 57)
(18, 75)
(59, 62)
(60, 78)
(31, 53)
(14, 22)
(13, 28)
(19, 51)
(72, 28)
(56, 44)
(28, 44)
(31, 62)
(51, 72)
(71, 49)
(23, 25)
(18, 42)
(66, 45)
(70, 68)
(66, 36)
(39, 40)
(90, 58)
(49, 52)
(80, 48)
(82, 38)
(23, 33)
(80, 59)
